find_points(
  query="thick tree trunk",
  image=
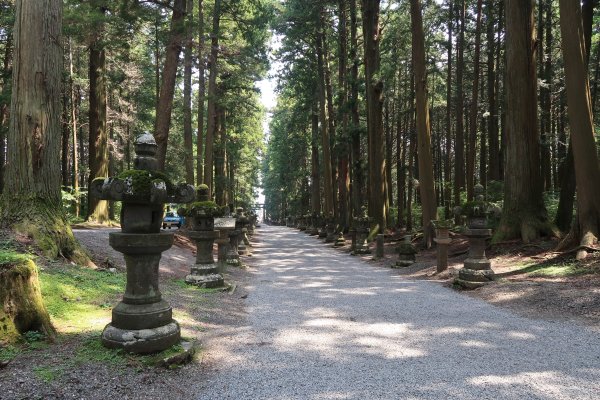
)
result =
(212, 98)
(187, 96)
(324, 122)
(357, 175)
(315, 188)
(448, 138)
(98, 135)
(524, 214)
(167, 87)
(426, 180)
(474, 106)
(4, 105)
(459, 146)
(587, 170)
(374, 96)
(201, 96)
(31, 201)
(493, 132)
(343, 135)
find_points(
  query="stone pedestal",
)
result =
(379, 241)
(205, 272)
(223, 250)
(361, 246)
(142, 322)
(406, 253)
(442, 253)
(340, 241)
(233, 256)
(477, 270)
(331, 236)
(242, 247)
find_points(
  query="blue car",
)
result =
(172, 220)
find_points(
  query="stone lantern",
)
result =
(202, 213)
(362, 228)
(142, 322)
(406, 252)
(330, 228)
(302, 223)
(240, 226)
(225, 225)
(477, 270)
(313, 230)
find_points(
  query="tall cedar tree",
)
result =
(167, 87)
(586, 229)
(426, 180)
(31, 200)
(524, 214)
(374, 88)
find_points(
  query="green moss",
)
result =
(204, 208)
(202, 187)
(8, 352)
(142, 181)
(80, 299)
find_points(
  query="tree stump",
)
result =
(22, 308)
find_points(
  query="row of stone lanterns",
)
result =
(142, 322)
(477, 268)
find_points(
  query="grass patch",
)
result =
(9, 257)
(92, 350)
(8, 352)
(79, 299)
(554, 269)
(48, 373)
(180, 283)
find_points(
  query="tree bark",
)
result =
(374, 96)
(187, 96)
(167, 87)
(459, 146)
(357, 175)
(73, 121)
(426, 179)
(212, 97)
(324, 122)
(98, 135)
(448, 138)
(587, 170)
(493, 131)
(31, 201)
(315, 198)
(343, 173)
(474, 106)
(524, 214)
(201, 96)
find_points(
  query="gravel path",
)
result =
(324, 325)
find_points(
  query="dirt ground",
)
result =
(519, 286)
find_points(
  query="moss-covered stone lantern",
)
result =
(362, 226)
(477, 269)
(202, 213)
(142, 322)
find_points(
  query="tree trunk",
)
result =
(31, 201)
(426, 179)
(524, 214)
(167, 87)
(4, 105)
(448, 138)
(357, 175)
(587, 170)
(187, 96)
(315, 198)
(493, 132)
(73, 121)
(212, 98)
(201, 95)
(325, 141)
(343, 173)
(474, 107)
(374, 96)
(459, 146)
(98, 136)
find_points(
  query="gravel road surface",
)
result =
(324, 325)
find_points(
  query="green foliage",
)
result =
(11, 257)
